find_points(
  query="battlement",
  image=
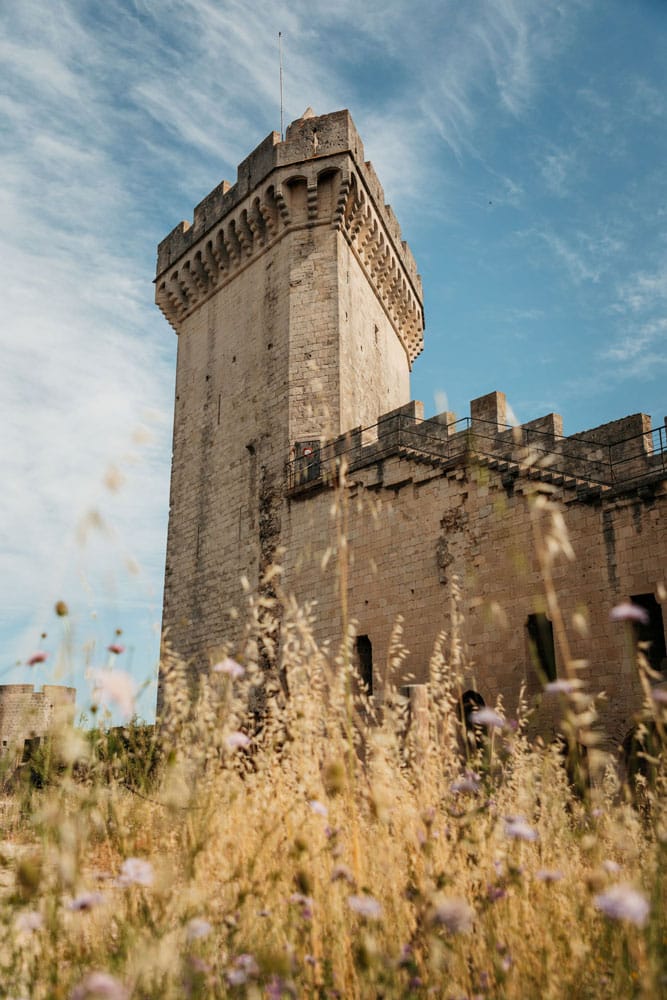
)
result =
(28, 714)
(316, 177)
(614, 456)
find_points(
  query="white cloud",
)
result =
(643, 291)
(578, 263)
(556, 169)
(586, 255)
(646, 101)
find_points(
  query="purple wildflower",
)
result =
(341, 873)
(484, 980)
(454, 913)
(305, 902)
(135, 871)
(629, 612)
(99, 986)
(406, 956)
(365, 906)
(562, 686)
(278, 987)
(237, 741)
(244, 968)
(487, 717)
(468, 783)
(229, 667)
(39, 657)
(318, 808)
(548, 875)
(236, 977)
(517, 827)
(659, 695)
(198, 928)
(86, 901)
(29, 921)
(116, 648)
(622, 902)
(274, 988)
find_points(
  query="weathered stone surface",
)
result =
(298, 309)
(29, 714)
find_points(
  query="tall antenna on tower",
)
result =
(280, 56)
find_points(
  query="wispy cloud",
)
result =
(87, 362)
(644, 342)
(491, 65)
(643, 291)
(556, 168)
(578, 262)
(639, 348)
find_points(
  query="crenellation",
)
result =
(256, 166)
(173, 246)
(245, 233)
(545, 429)
(535, 450)
(318, 136)
(211, 208)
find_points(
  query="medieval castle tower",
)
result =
(298, 309)
(299, 314)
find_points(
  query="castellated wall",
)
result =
(26, 713)
(419, 523)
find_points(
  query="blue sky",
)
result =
(522, 144)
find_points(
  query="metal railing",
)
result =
(585, 461)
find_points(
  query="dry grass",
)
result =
(332, 858)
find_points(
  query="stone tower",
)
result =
(298, 310)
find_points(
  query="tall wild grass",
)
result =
(281, 835)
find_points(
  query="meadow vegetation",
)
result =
(318, 845)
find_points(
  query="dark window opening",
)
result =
(653, 633)
(471, 701)
(365, 662)
(29, 746)
(542, 650)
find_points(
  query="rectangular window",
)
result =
(365, 662)
(653, 633)
(542, 650)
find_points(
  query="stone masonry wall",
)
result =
(26, 713)
(416, 530)
(229, 449)
(298, 312)
(374, 376)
